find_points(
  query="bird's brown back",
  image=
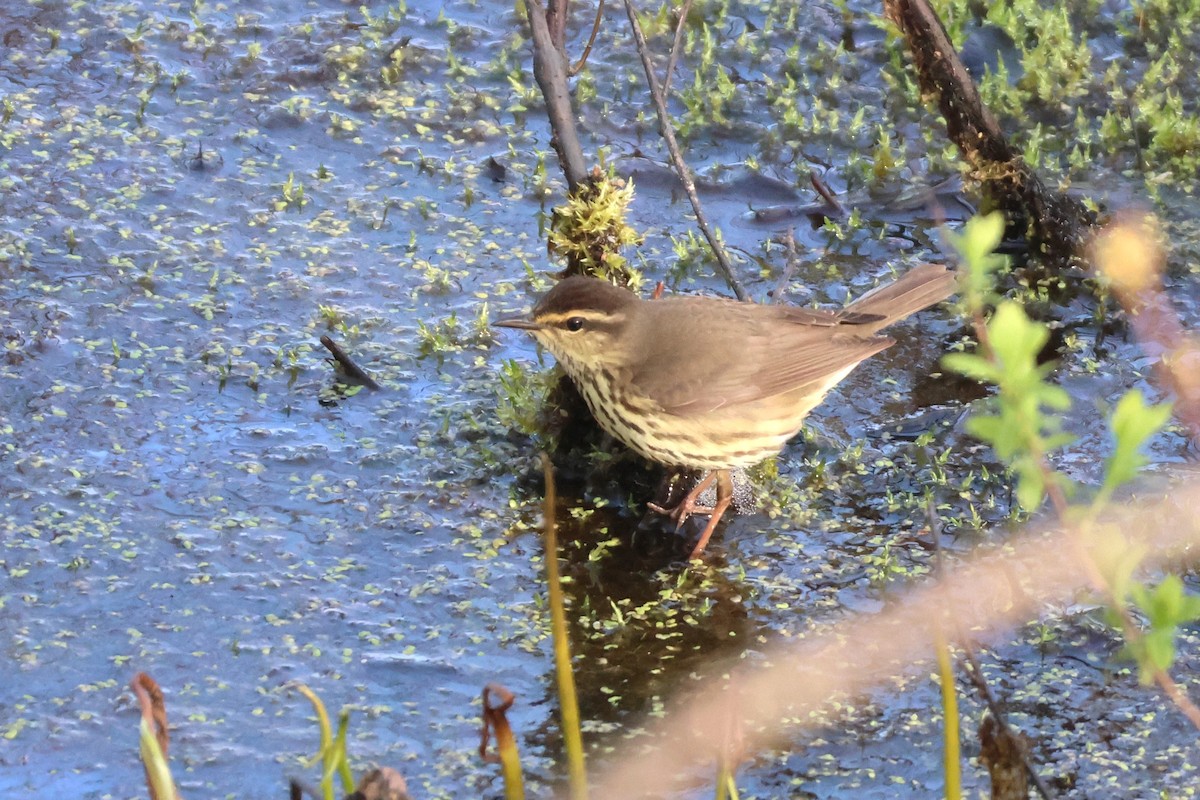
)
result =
(741, 353)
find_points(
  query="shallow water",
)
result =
(185, 492)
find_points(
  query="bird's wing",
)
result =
(770, 359)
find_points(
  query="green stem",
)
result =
(567, 700)
(951, 759)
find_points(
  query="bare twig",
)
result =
(348, 366)
(587, 51)
(789, 265)
(975, 673)
(676, 45)
(685, 174)
(827, 194)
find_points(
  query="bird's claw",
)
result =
(681, 512)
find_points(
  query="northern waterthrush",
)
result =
(711, 384)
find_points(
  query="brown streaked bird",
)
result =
(707, 383)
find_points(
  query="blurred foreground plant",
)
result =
(153, 737)
(1024, 427)
(495, 722)
(332, 753)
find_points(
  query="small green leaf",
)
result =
(975, 247)
(987, 428)
(1055, 397)
(1015, 339)
(982, 235)
(1031, 487)
(1160, 647)
(972, 366)
(1164, 604)
(1056, 440)
(1132, 423)
(1116, 558)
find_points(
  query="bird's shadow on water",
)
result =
(643, 623)
(641, 618)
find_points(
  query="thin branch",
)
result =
(789, 266)
(348, 366)
(676, 46)
(587, 51)
(1178, 696)
(827, 194)
(975, 673)
(685, 175)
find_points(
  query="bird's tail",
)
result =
(920, 287)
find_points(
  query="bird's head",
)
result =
(580, 321)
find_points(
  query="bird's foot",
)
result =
(685, 508)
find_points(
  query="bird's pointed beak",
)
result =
(521, 323)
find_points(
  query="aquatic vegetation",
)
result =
(194, 195)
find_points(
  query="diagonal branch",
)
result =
(685, 174)
(677, 45)
(793, 680)
(578, 65)
(1056, 223)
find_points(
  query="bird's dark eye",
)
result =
(574, 324)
